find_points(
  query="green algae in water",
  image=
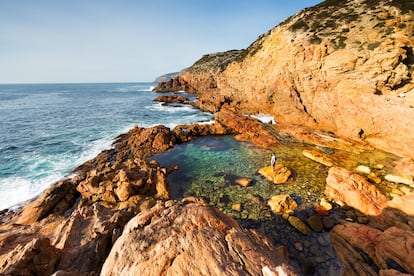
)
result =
(207, 165)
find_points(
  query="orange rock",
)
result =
(243, 181)
(278, 175)
(383, 247)
(318, 156)
(344, 186)
(183, 238)
(282, 204)
(404, 203)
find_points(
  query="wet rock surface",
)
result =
(80, 218)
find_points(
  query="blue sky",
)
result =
(124, 40)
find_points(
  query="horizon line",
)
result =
(86, 82)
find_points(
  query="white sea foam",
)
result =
(171, 108)
(206, 122)
(23, 189)
(44, 172)
(149, 88)
(264, 118)
(134, 88)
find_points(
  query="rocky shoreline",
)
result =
(118, 202)
(336, 77)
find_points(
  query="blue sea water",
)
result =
(46, 130)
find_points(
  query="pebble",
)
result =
(351, 214)
(363, 220)
(236, 207)
(328, 222)
(322, 241)
(315, 222)
(299, 225)
(363, 169)
(404, 189)
(298, 246)
(372, 176)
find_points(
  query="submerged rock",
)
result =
(243, 181)
(315, 222)
(319, 157)
(299, 225)
(190, 237)
(282, 204)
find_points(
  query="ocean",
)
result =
(46, 130)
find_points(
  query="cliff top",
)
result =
(338, 22)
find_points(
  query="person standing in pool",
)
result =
(273, 161)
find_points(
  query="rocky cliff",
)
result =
(341, 66)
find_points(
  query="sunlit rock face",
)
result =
(191, 237)
(341, 66)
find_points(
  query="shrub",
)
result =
(300, 24)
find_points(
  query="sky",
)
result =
(57, 41)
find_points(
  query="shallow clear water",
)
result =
(46, 130)
(208, 164)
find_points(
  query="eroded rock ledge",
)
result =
(72, 226)
(342, 66)
(113, 216)
(191, 237)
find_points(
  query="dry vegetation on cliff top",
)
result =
(331, 21)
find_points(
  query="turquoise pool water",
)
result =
(207, 166)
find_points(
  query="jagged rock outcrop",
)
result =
(191, 237)
(341, 66)
(72, 226)
(365, 250)
(378, 244)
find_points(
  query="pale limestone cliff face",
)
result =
(343, 67)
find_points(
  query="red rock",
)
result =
(190, 237)
(346, 187)
(405, 167)
(247, 128)
(383, 247)
(171, 99)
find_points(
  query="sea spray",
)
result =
(46, 130)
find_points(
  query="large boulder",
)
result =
(346, 187)
(364, 250)
(190, 237)
(278, 174)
